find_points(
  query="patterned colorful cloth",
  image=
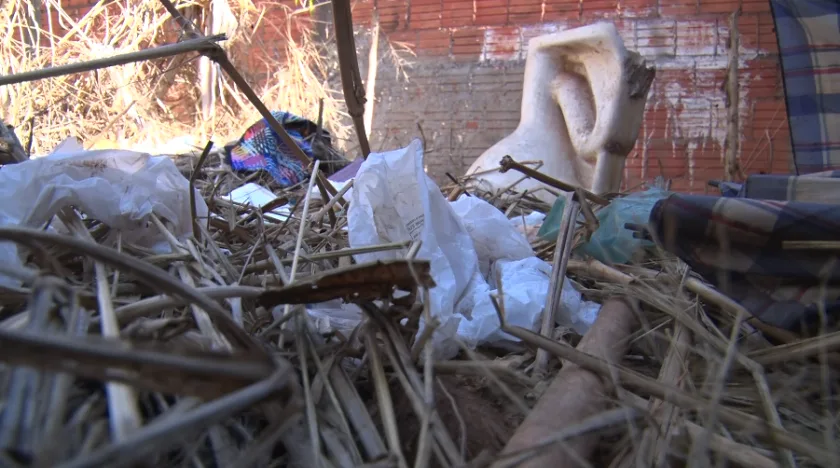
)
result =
(261, 148)
(808, 32)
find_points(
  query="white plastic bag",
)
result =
(529, 225)
(119, 188)
(468, 242)
(575, 312)
(335, 316)
(525, 286)
(395, 201)
(493, 235)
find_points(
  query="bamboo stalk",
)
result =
(562, 252)
(507, 163)
(156, 437)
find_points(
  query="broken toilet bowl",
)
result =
(582, 104)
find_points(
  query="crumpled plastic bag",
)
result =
(468, 242)
(525, 285)
(611, 243)
(335, 316)
(395, 201)
(491, 232)
(119, 188)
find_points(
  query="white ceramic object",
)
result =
(582, 105)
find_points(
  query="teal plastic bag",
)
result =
(611, 243)
(551, 224)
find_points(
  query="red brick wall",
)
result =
(484, 42)
(465, 84)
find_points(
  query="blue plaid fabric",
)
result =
(808, 32)
(738, 245)
(739, 242)
(817, 187)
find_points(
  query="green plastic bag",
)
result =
(551, 224)
(611, 243)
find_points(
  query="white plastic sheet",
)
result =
(258, 196)
(493, 235)
(525, 286)
(529, 225)
(335, 316)
(119, 188)
(469, 243)
(395, 201)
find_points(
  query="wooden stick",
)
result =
(160, 435)
(198, 44)
(738, 453)
(811, 245)
(797, 350)
(217, 54)
(597, 269)
(124, 413)
(351, 78)
(193, 177)
(576, 393)
(562, 251)
(713, 296)
(122, 399)
(656, 440)
(733, 134)
(706, 292)
(373, 67)
(507, 163)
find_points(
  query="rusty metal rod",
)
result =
(507, 163)
(197, 44)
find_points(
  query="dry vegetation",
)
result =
(353, 399)
(146, 104)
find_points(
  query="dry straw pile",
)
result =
(292, 395)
